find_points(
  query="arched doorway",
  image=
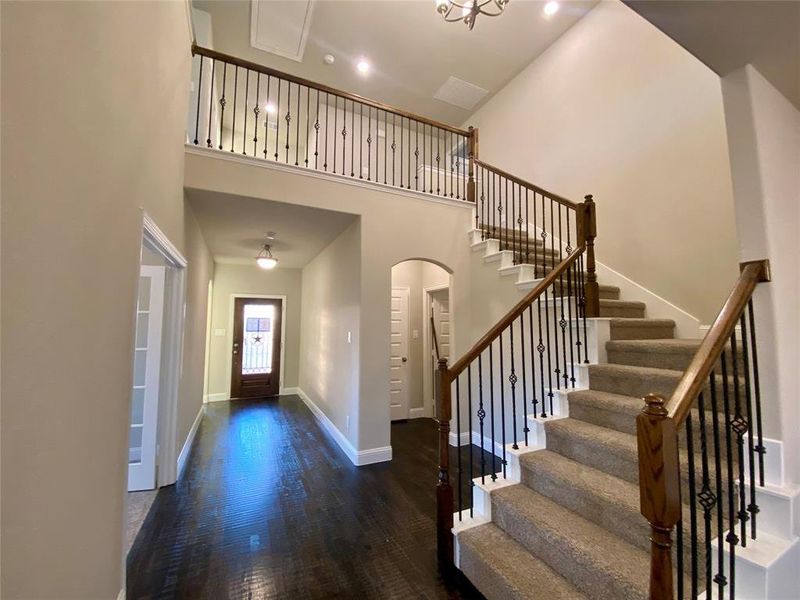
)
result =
(420, 333)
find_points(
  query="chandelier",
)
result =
(468, 10)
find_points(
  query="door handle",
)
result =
(405, 359)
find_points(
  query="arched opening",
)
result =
(421, 332)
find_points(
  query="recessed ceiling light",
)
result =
(270, 108)
(551, 8)
(363, 66)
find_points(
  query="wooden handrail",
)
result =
(245, 64)
(527, 184)
(657, 431)
(458, 367)
(696, 374)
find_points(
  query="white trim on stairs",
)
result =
(357, 457)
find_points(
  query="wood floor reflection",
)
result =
(270, 507)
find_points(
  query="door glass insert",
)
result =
(257, 339)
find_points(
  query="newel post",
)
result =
(444, 491)
(592, 291)
(659, 489)
(473, 156)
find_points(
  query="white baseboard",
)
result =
(187, 445)
(290, 391)
(417, 413)
(121, 595)
(357, 457)
(223, 397)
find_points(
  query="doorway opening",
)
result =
(256, 348)
(421, 330)
(158, 335)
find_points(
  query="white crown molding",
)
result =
(360, 183)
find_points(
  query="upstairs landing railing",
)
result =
(701, 455)
(251, 110)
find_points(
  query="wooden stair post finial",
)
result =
(444, 491)
(473, 156)
(659, 489)
(592, 291)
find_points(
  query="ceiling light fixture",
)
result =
(468, 10)
(363, 66)
(551, 8)
(264, 259)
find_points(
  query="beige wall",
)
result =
(395, 226)
(232, 279)
(199, 272)
(764, 132)
(331, 307)
(93, 98)
(616, 109)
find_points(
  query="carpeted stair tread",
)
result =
(622, 308)
(636, 381)
(503, 569)
(639, 329)
(599, 563)
(674, 354)
(603, 499)
(607, 450)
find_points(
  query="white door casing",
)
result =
(146, 374)
(399, 390)
(439, 311)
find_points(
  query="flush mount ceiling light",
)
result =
(264, 259)
(550, 8)
(363, 66)
(468, 10)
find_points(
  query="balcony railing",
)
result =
(246, 108)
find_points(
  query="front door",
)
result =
(146, 376)
(398, 355)
(256, 352)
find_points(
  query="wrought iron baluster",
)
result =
(352, 139)
(327, 126)
(266, 119)
(514, 247)
(360, 141)
(369, 146)
(256, 112)
(416, 154)
(512, 379)
(731, 537)
(569, 305)
(582, 280)
(246, 98)
(469, 432)
(438, 164)
(739, 428)
(394, 146)
(385, 143)
(316, 135)
(401, 151)
(692, 504)
(288, 118)
(308, 118)
(491, 408)
(235, 94)
(278, 120)
(502, 406)
(481, 415)
(706, 497)
(557, 370)
(524, 375)
(720, 579)
(459, 151)
(760, 449)
(199, 94)
(549, 353)
(211, 100)
(752, 508)
(458, 446)
(222, 101)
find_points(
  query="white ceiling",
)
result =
(728, 35)
(411, 49)
(234, 228)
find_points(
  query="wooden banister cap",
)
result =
(655, 405)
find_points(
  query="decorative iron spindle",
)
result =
(211, 101)
(458, 445)
(235, 95)
(491, 409)
(256, 112)
(481, 415)
(222, 102)
(469, 430)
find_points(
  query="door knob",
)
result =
(405, 359)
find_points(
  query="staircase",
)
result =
(571, 527)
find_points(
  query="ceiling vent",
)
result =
(460, 93)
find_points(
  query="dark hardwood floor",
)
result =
(270, 507)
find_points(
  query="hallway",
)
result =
(269, 507)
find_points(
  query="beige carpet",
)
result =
(138, 505)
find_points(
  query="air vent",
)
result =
(460, 93)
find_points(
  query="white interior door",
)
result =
(440, 311)
(146, 373)
(398, 371)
